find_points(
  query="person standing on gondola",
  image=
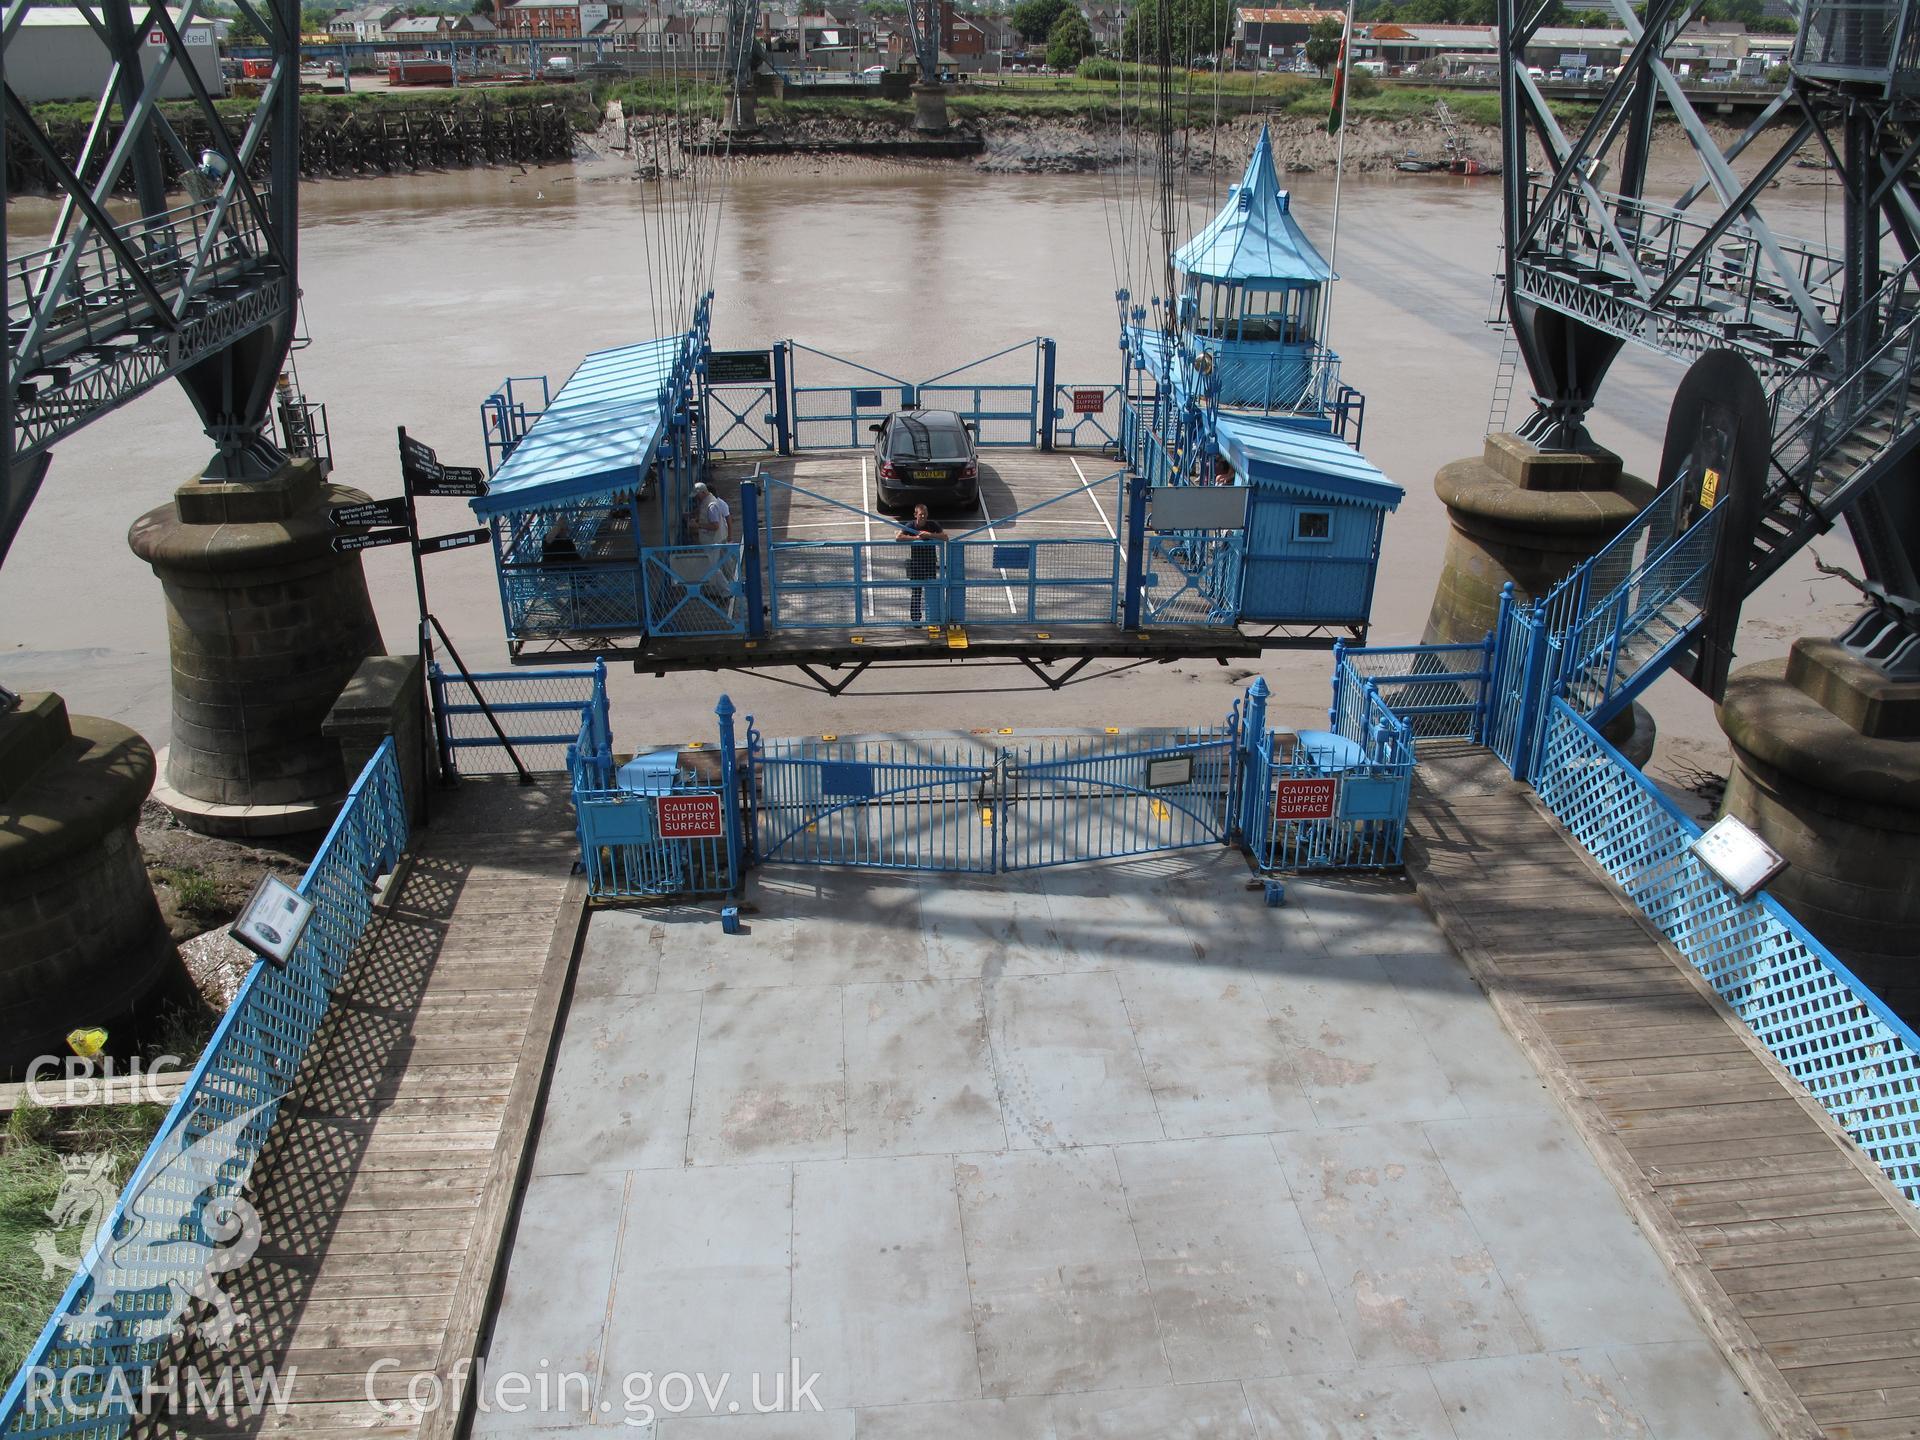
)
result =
(923, 561)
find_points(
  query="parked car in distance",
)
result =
(874, 70)
(925, 457)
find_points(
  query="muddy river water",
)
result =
(422, 292)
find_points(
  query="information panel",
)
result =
(739, 367)
(1197, 507)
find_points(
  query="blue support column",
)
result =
(602, 721)
(953, 564)
(1253, 730)
(1333, 711)
(782, 406)
(1136, 550)
(1490, 667)
(1046, 394)
(750, 557)
(729, 790)
(1533, 696)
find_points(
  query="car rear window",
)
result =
(915, 441)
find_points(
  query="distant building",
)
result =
(1109, 25)
(364, 23)
(1268, 34)
(55, 55)
(556, 19)
(420, 28)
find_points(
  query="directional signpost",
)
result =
(422, 476)
(372, 540)
(434, 544)
(371, 512)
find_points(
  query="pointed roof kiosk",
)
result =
(1251, 298)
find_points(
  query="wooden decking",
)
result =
(1803, 1259)
(387, 1187)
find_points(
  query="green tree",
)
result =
(1070, 41)
(244, 31)
(1323, 42)
(1200, 30)
(1034, 20)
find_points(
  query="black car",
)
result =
(926, 457)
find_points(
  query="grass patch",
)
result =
(194, 892)
(31, 1173)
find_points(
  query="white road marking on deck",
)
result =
(1012, 609)
(1094, 496)
(865, 508)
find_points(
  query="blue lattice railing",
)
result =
(182, 1215)
(1831, 1033)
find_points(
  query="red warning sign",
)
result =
(1089, 402)
(1305, 799)
(690, 817)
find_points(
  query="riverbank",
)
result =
(851, 135)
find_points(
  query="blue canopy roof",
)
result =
(596, 437)
(1256, 237)
(1297, 459)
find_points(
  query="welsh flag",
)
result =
(1339, 85)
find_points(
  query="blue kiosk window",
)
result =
(1313, 526)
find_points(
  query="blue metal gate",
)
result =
(1101, 797)
(878, 804)
(953, 805)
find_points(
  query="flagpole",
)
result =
(1343, 74)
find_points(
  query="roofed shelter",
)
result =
(603, 472)
(1250, 286)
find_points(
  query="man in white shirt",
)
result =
(711, 516)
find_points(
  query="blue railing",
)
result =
(182, 1220)
(1326, 800)
(693, 590)
(1075, 428)
(1438, 691)
(568, 597)
(538, 709)
(633, 834)
(1004, 410)
(1831, 1033)
(508, 413)
(1620, 644)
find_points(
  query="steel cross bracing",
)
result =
(201, 287)
(1833, 336)
(924, 20)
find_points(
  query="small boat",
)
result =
(1415, 166)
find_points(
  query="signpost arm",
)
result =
(442, 741)
(430, 626)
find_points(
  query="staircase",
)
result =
(1635, 609)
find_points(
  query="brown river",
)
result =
(422, 292)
